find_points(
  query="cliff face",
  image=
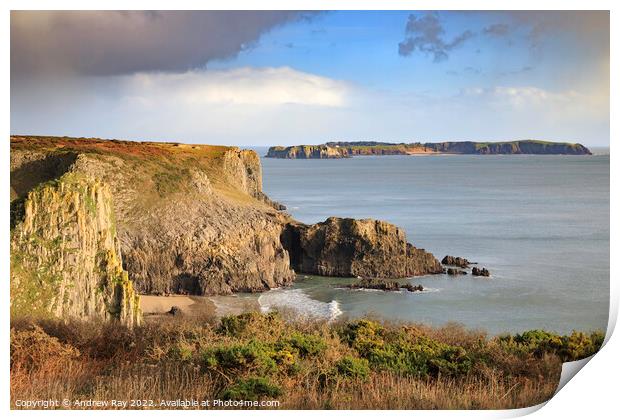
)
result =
(531, 147)
(307, 152)
(348, 247)
(190, 219)
(185, 218)
(65, 259)
(348, 149)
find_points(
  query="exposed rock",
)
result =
(455, 272)
(307, 152)
(192, 219)
(175, 310)
(455, 261)
(480, 272)
(343, 149)
(413, 288)
(348, 248)
(385, 285)
(65, 259)
(518, 147)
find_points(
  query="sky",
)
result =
(283, 78)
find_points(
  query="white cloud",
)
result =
(521, 96)
(241, 86)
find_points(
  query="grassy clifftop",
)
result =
(160, 168)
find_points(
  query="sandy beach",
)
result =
(189, 305)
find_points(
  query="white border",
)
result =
(592, 395)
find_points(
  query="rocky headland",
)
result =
(94, 222)
(339, 150)
(351, 248)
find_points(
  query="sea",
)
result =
(539, 224)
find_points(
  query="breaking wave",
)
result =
(298, 302)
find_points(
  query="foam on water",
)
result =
(299, 302)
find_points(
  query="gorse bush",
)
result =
(306, 344)
(353, 367)
(405, 352)
(568, 347)
(250, 323)
(256, 355)
(251, 389)
(252, 356)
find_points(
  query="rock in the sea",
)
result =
(413, 288)
(480, 272)
(455, 272)
(455, 261)
(350, 247)
(385, 285)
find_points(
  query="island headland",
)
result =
(339, 150)
(95, 223)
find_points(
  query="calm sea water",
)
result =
(540, 224)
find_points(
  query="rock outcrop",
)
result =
(385, 285)
(349, 248)
(455, 261)
(307, 152)
(189, 219)
(65, 258)
(480, 272)
(333, 150)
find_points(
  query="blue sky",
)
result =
(265, 78)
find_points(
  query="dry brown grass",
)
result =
(163, 361)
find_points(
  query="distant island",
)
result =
(339, 150)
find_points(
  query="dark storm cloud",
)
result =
(112, 42)
(426, 34)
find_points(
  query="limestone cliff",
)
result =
(320, 151)
(65, 259)
(348, 247)
(190, 218)
(193, 219)
(333, 150)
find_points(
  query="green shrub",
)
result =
(579, 345)
(254, 355)
(353, 367)
(405, 354)
(251, 389)
(181, 351)
(306, 344)
(576, 346)
(238, 325)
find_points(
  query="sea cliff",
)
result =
(65, 257)
(189, 219)
(335, 150)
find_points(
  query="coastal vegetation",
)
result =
(305, 364)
